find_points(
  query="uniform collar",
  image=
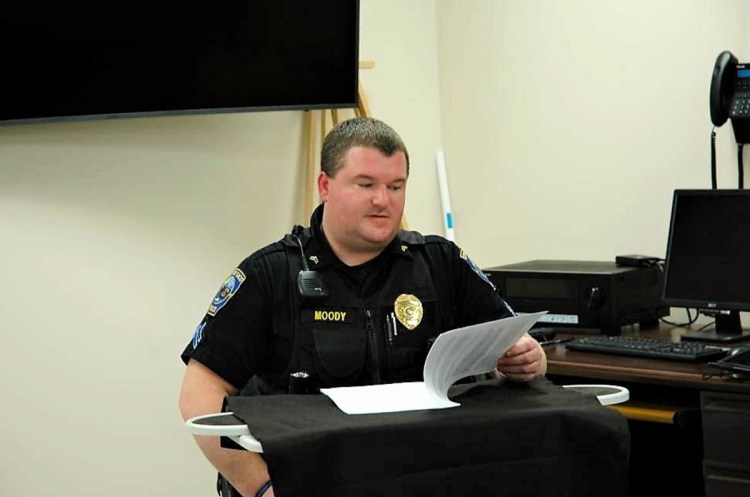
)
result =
(320, 254)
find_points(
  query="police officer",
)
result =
(351, 300)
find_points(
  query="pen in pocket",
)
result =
(389, 328)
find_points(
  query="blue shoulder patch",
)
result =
(226, 292)
(198, 334)
(476, 269)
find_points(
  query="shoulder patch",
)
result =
(198, 333)
(226, 292)
(475, 268)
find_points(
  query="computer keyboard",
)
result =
(648, 348)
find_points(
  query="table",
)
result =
(505, 439)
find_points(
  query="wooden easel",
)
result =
(327, 118)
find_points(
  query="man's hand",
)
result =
(523, 361)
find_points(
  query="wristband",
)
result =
(263, 488)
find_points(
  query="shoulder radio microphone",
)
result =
(310, 284)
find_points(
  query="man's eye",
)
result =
(395, 188)
(365, 185)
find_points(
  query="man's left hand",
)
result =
(523, 361)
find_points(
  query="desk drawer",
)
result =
(723, 481)
(726, 428)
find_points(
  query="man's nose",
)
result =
(380, 195)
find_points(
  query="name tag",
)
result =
(348, 316)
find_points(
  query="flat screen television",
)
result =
(84, 60)
(708, 259)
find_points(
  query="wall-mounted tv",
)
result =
(80, 59)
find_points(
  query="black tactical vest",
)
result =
(347, 338)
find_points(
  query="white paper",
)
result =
(455, 354)
(391, 397)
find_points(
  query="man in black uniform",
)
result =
(351, 300)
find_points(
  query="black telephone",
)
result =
(730, 95)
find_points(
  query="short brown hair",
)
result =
(359, 132)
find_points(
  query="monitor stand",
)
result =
(728, 329)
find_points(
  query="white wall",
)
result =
(403, 91)
(115, 234)
(568, 124)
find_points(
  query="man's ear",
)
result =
(323, 183)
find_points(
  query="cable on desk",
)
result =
(707, 325)
(690, 321)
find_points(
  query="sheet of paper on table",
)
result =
(456, 354)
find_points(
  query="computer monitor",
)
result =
(708, 259)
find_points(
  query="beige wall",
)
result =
(115, 236)
(566, 124)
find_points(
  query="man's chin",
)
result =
(379, 238)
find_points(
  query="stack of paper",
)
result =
(455, 354)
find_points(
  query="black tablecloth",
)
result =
(506, 439)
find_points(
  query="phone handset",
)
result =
(730, 99)
(722, 87)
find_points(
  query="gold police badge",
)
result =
(408, 310)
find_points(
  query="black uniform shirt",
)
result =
(250, 325)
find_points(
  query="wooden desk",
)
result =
(681, 414)
(699, 376)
